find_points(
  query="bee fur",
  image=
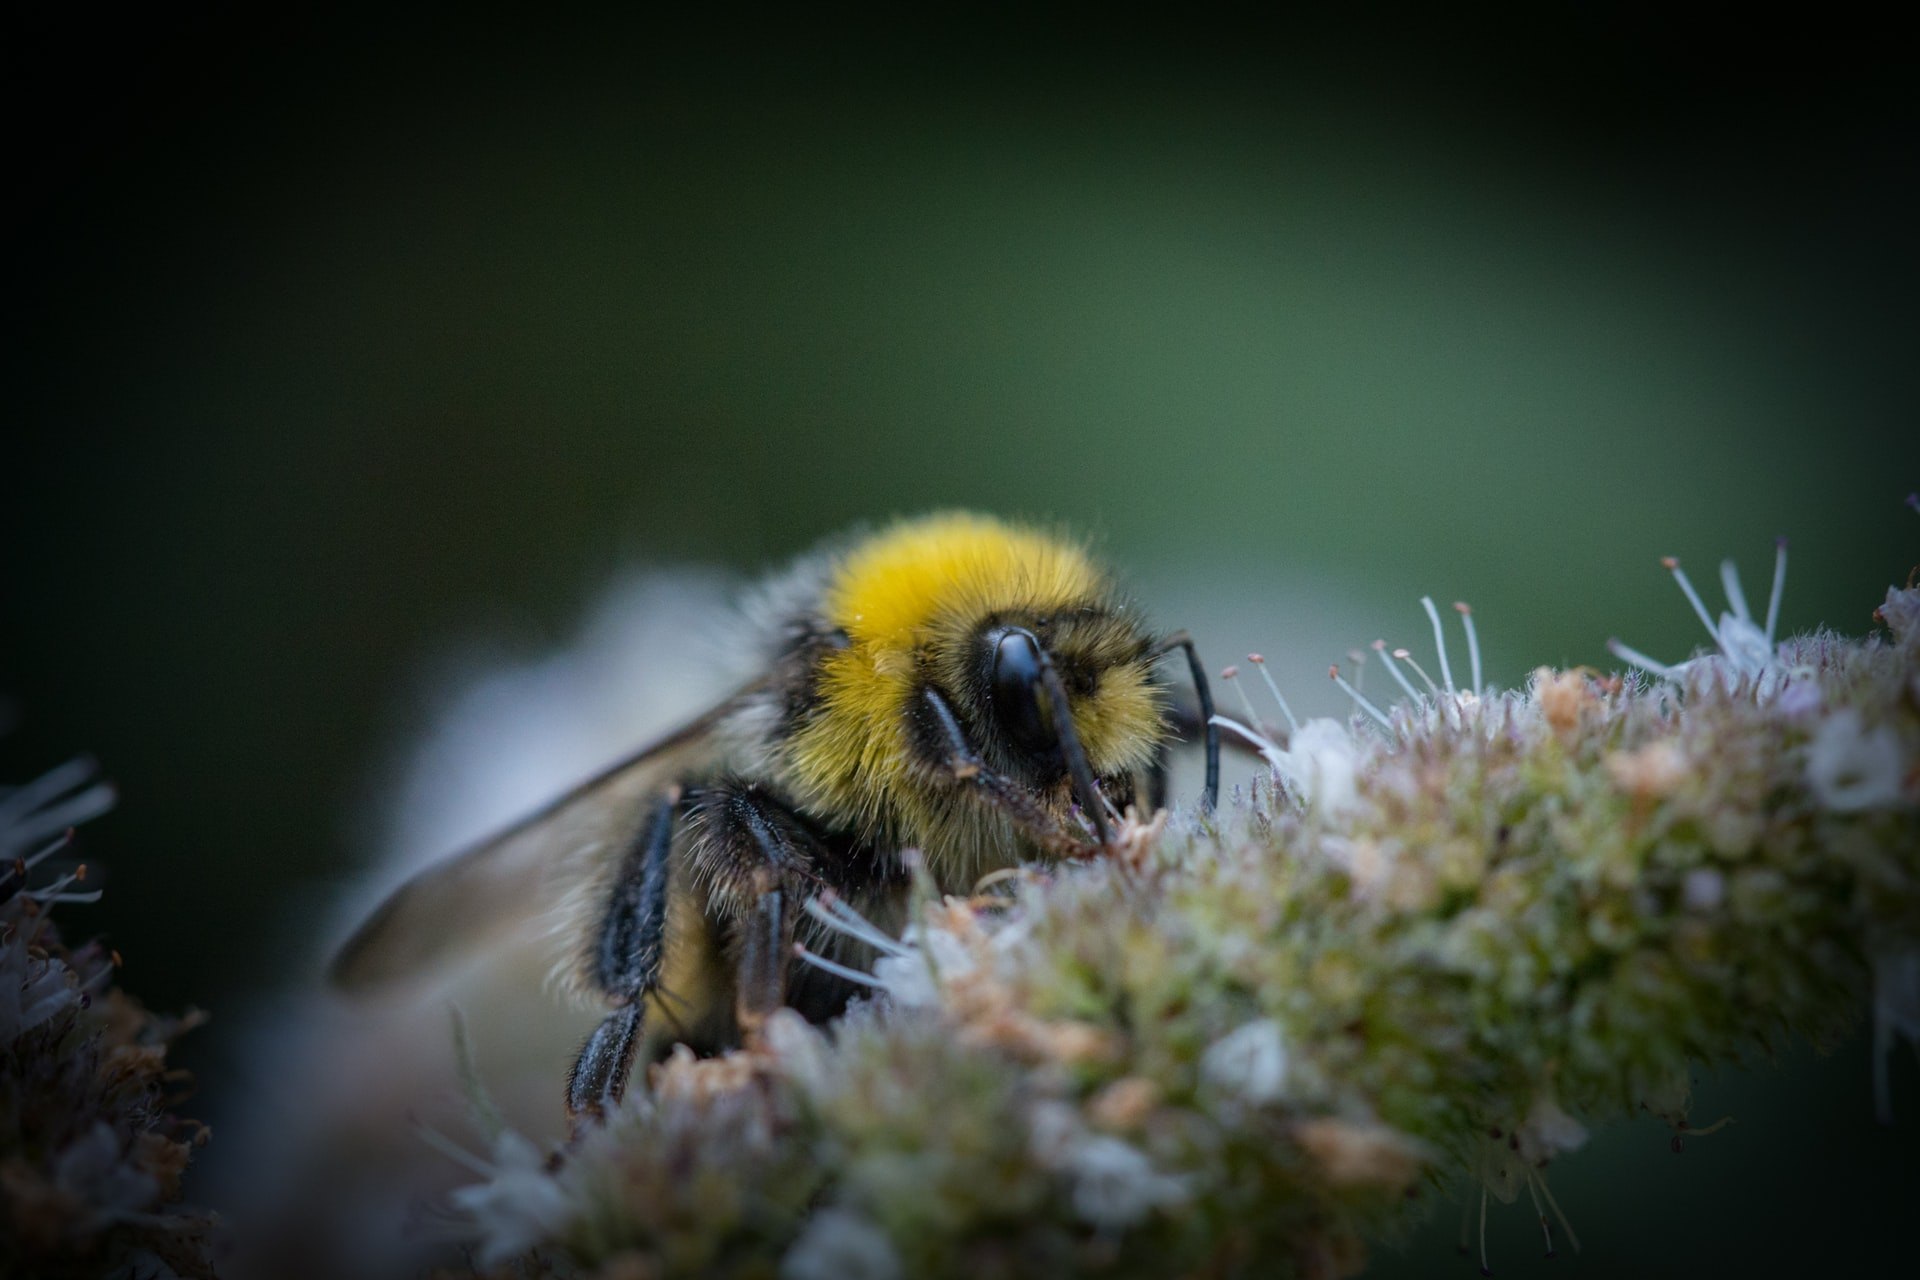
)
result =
(973, 689)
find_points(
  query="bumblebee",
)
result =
(973, 689)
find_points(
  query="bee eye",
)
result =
(1016, 692)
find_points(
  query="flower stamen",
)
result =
(1406, 656)
(834, 912)
(1473, 641)
(1285, 710)
(31, 812)
(1380, 647)
(836, 968)
(1439, 641)
(1540, 1211)
(1730, 583)
(1232, 676)
(1267, 747)
(51, 785)
(1485, 1269)
(54, 892)
(1359, 699)
(52, 847)
(1779, 585)
(1672, 565)
(1547, 1191)
(1628, 654)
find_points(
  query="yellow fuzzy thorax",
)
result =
(890, 590)
(914, 593)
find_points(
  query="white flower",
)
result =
(1704, 889)
(1746, 648)
(840, 1245)
(94, 1170)
(1548, 1131)
(913, 977)
(1851, 768)
(1052, 1127)
(1323, 758)
(31, 990)
(800, 1049)
(1901, 613)
(1800, 697)
(909, 969)
(1320, 762)
(1115, 1185)
(1250, 1063)
(1669, 1097)
(519, 1206)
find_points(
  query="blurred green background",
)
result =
(339, 341)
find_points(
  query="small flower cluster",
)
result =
(1441, 941)
(90, 1160)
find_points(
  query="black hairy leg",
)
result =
(761, 861)
(944, 748)
(1152, 783)
(625, 965)
(1209, 731)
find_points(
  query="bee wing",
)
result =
(508, 879)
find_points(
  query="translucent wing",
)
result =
(509, 879)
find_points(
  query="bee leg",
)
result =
(944, 748)
(1153, 783)
(759, 857)
(1209, 731)
(599, 1076)
(625, 964)
(766, 940)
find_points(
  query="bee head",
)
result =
(1022, 630)
(1054, 687)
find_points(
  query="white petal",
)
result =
(840, 1245)
(1321, 762)
(1115, 1185)
(1851, 768)
(1249, 1063)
